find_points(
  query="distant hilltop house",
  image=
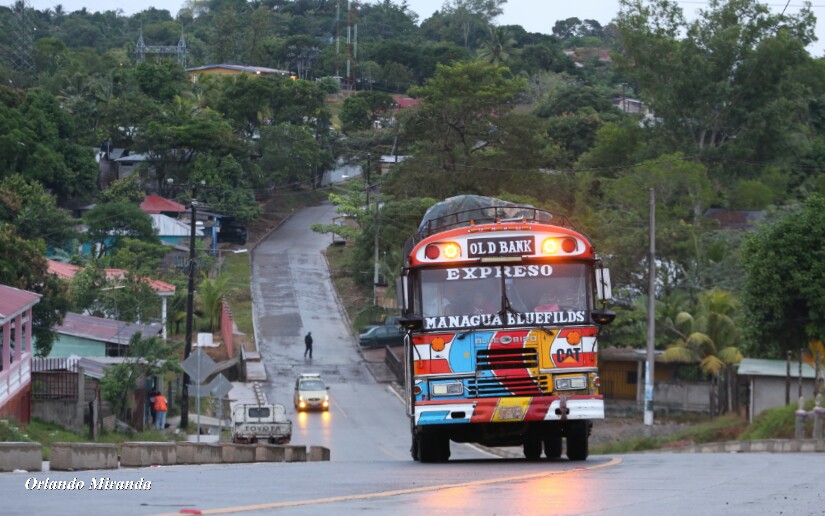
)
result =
(233, 69)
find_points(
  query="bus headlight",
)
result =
(571, 383)
(448, 389)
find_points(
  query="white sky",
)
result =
(533, 15)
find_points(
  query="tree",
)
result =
(289, 155)
(161, 81)
(230, 191)
(355, 114)
(23, 266)
(34, 213)
(728, 76)
(109, 224)
(472, 16)
(139, 256)
(210, 297)
(145, 358)
(460, 105)
(683, 193)
(784, 291)
(710, 338)
(127, 189)
(244, 101)
(499, 47)
(38, 140)
(361, 110)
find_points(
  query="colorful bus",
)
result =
(502, 305)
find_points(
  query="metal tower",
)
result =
(141, 49)
(22, 40)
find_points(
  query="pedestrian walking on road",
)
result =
(308, 342)
(160, 409)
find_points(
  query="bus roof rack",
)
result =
(468, 210)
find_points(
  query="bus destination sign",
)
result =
(505, 246)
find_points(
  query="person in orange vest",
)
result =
(160, 409)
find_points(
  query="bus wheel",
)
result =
(552, 444)
(577, 447)
(433, 447)
(414, 448)
(532, 446)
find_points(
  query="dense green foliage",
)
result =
(722, 112)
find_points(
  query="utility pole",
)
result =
(190, 308)
(651, 314)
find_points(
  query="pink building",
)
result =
(15, 368)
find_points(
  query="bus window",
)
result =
(563, 287)
(451, 292)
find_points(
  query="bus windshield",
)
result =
(479, 290)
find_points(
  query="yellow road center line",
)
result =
(383, 494)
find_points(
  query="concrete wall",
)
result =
(198, 453)
(25, 456)
(60, 412)
(237, 452)
(317, 454)
(683, 395)
(295, 453)
(140, 454)
(269, 453)
(769, 392)
(80, 456)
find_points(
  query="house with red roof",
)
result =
(162, 289)
(155, 204)
(15, 366)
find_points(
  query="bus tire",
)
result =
(552, 444)
(577, 437)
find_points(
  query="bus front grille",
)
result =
(487, 387)
(497, 359)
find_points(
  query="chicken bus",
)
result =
(502, 306)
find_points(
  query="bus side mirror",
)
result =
(603, 289)
(412, 322)
(602, 317)
(401, 292)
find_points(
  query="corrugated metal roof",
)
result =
(239, 68)
(628, 354)
(766, 367)
(157, 204)
(103, 330)
(14, 301)
(136, 156)
(167, 226)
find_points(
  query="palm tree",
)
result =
(500, 46)
(711, 338)
(210, 297)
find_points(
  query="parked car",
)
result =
(391, 320)
(311, 392)
(380, 336)
(232, 233)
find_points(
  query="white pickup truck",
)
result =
(260, 423)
